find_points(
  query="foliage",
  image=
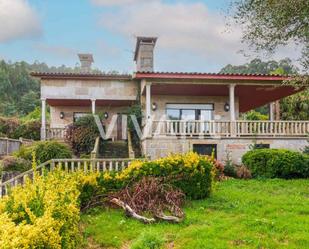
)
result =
(237, 215)
(148, 241)
(19, 92)
(243, 172)
(257, 66)
(288, 19)
(192, 173)
(43, 214)
(12, 163)
(135, 111)
(281, 163)
(82, 135)
(35, 115)
(254, 115)
(295, 107)
(45, 150)
(15, 128)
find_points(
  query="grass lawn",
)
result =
(239, 214)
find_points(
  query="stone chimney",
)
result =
(143, 56)
(85, 60)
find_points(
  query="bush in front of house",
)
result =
(254, 115)
(12, 163)
(81, 135)
(29, 129)
(277, 163)
(43, 213)
(44, 151)
(15, 128)
(192, 173)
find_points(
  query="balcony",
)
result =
(225, 129)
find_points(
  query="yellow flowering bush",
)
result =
(192, 173)
(44, 213)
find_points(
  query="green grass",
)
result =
(239, 214)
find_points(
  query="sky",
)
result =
(193, 35)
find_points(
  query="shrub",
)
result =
(243, 172)
(29, 130)
(15, 128)
(12, 163)
(82, 134)
(45, 150)
(230, 170)
(44, 213)
(254, 115)
(8, 126)
(192, 173)
(281, 163)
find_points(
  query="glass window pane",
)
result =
(187, 114)
(173, 114)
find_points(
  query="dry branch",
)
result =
(130, 212)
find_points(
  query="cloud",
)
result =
(18, 20)
(181, 28)
(117, 2)
(56, 51)
(190, 35)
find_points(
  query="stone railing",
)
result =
(69, 165)
(239, 128)
(55, 133)
(8, 145)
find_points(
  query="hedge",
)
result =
(15, 128)
(81, 135)
(45, 150)
(192, 173)
(277, 163)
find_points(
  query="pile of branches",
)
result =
(151, 195)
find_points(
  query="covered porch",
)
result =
(64, 112)
(209, 105)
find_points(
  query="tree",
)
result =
(268, 24)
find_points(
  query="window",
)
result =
(189, 111)
(78, 115)
(205, 149)
(261, 146)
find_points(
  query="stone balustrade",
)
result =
(239, 128)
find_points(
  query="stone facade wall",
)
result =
(89, 89)
(218, 101)
(57, 122)
(235, 147)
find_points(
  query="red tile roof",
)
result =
(211, 76)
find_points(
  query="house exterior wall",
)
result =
(236, 147)
(218, 101)
(57, 122)
(89, 89)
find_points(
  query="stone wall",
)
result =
(218, 101)
(89, 89)
(235, 147)
(57, 122)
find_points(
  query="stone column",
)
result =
(43, 121)
(232, 109)
(271, 111)
(148, 101)
(93, 106)
(232, 101)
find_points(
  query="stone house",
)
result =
(181, 111)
